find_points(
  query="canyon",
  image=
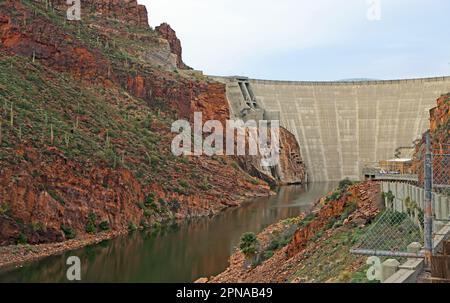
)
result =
(86, 114)
(86, 110)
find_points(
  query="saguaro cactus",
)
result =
(51, 134)
(67, 139)
(11, 115)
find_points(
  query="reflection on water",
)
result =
(180, 253)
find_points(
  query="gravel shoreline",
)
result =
(17, 255)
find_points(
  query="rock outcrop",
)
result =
(175, 45)
(129, 12)
(290, 170)
(440, 139)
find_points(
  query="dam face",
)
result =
(341, 126)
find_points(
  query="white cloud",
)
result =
(218, 36)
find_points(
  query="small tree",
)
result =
(249, 246)
(344, 184)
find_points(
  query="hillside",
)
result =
(85, 112)
(312, 248)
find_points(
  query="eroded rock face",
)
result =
(290, 170)
(49, 191)
(128, 12)
(49, 43)
(440, 137)
(175, 45)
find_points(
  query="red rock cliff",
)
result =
(129, 12)
(175, 45)
(440, 136)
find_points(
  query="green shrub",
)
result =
(149, 199)
(344, 184)
(351, 208)
(22, 239)
(334, 196)
(307, 220)
(389, 196)
(205, 185)
(56, 196)
(4, 209)
(249, 244)
(69, 232)
(91, 226)
(132, 227)
(268, 254)
(104, 226)
(183, 184)
(162, 202)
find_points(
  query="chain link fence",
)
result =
(413, 211)
(391, 234)
(441, 168)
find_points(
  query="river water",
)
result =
(179, 253)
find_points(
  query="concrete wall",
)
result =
(401, 191)
(342, 126)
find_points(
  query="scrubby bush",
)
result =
(307, 220)
(249, 244)
(91, 227)
(104, 226)
(389, 197)
(132, 227)
(183, 184)
(22, 239)
(149, 200)
(69, 232)
(4, 209)
(344, 184)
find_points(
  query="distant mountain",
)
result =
(358, 80)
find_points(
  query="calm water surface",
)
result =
(179, 253)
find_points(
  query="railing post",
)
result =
(428, 228)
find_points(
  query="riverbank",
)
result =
(312, 248)
(17, 255)
(175, 253)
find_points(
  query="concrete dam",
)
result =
(341, 126)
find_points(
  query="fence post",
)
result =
(428, 228)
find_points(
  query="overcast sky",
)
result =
(311, 39)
